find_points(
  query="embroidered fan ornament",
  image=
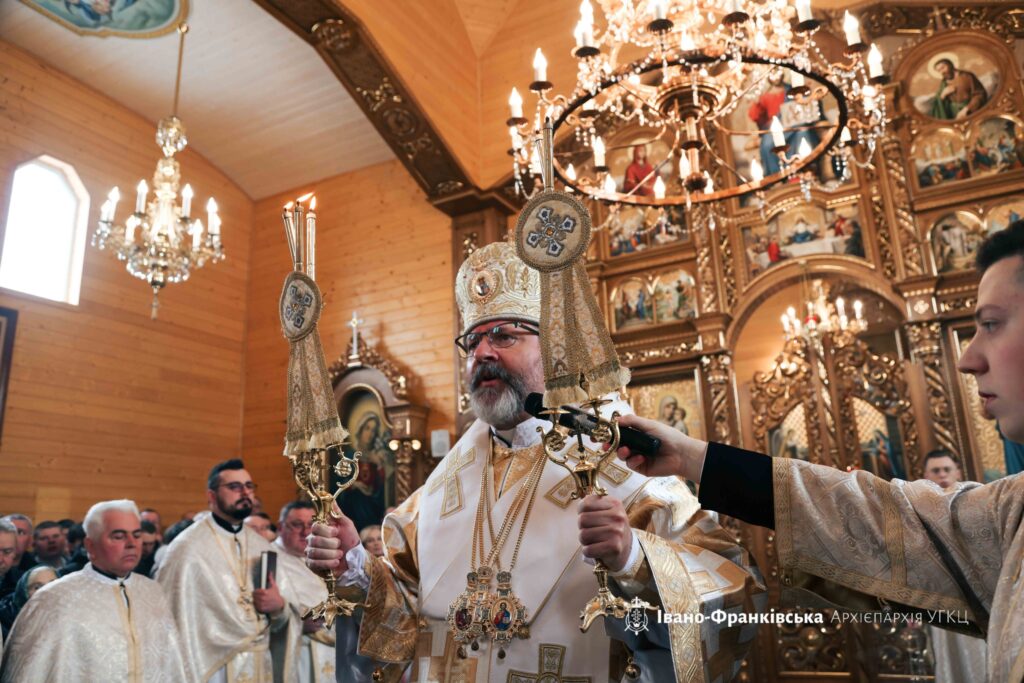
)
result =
(552, 235)
(313, 422)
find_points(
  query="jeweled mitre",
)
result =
(494, 284)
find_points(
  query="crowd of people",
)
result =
(161, 623)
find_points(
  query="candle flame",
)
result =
(304, 197)
(539, 61)
(515, 99)
(312, 204)
(288, 206)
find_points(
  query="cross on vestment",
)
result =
(549, 668)
(354, 323)
(452, 501)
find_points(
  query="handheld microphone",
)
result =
(577, 420)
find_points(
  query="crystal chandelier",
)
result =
(822, 317)
(673, 74)
(162, 241)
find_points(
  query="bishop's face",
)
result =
(119, 547)
(501, 377)
(995, 355)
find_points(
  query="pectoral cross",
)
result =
(245, 601)
(549, 668)
(354, 323)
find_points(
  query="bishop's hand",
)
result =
(329, 542)
(605, 533)
(679, 454)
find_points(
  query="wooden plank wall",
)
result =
(103, 402)
(383, 251)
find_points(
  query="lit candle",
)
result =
(786, 325)
(686, 43)
(709, 184)
(756, 171)
(858, 309)
(875, 62)
(841, 307)
(685, 170)
(212, 218)
(659, 8)
(845, 136)
(804, 150)
(106, 211)
(570, 172)
(540, 66)
(778, 135)
(586, 13)
(733, 6)
(760, 41)
(197, 234)
(659, 188)
(114, 197)
(803, 10)
(129, 229)
(517, 139)
(515, 104)
(798, 80)
(791, 312)
(140, 199)
(852, 29)
(186, 201)
(311, 239)
(609, 185)
(289, 230)
(598, 145)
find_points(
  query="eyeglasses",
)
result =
(296, 525)
(238, 487)
(499, 337)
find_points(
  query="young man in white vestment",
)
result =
(314, 645)
(102, 623)
(211, 574)
(496, 506)
(952, 558)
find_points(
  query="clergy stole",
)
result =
(87, 627)
(313, 653)
(202, 575)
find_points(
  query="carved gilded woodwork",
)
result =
(717, 369)
(926, 348)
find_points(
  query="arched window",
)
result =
(44, 237)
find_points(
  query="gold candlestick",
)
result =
(585, 472)
(310, 470)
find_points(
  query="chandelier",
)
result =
(162, 241)
(672, 77)
(822, 317)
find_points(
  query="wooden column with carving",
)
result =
(926, 348)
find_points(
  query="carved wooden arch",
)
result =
(818, 266)
(364, 369)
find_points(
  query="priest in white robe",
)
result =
(312, 646)
(954, 559)
(211, 577)
(651, 534)
(102, 623)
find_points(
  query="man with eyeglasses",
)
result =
(496, 483)
(8, 555)
(314, 645)
(227, 621)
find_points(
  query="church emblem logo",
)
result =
(636, 617)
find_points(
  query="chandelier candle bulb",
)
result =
(598, 146)
(659, 9)
(845, 137)
(570, 172)
(858, 310)
(609, 185)
(851, 27)
(709, 184)
(212, 217)
(778, 134)
(186, 201)
(785, 324)
(803, 11)
(140, 199)
(756, 171)
(114, 197)
(197, 234)
(540, 67)
(107, 211)
(841, 307)
(686, 43)
(659, 188)
(804, 150)
(875, 62)
(515, 104)
(685, 169)
(798, 80)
